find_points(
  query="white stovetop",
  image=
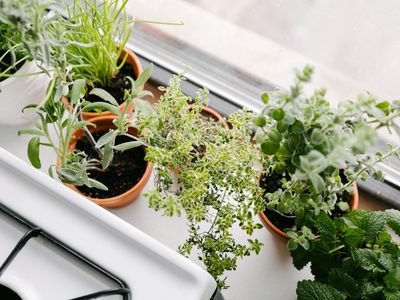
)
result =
(270, 275)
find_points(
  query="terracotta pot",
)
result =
(267, 223)
(213, 113)
(132, 60)
(104, 123)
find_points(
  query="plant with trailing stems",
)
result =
(206, 173)
(317, 151)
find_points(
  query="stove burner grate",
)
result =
(34, 231)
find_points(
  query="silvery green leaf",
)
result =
(317, 182)
(103, 94)
(106, 138)
(144, 76)
(77, 90)
(127, 145)
(101, 106)
(144, 107)
(97, 184)
(108, 155)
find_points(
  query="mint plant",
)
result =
(206, 173)
(319, 151)
(352, 257)
(55, 130)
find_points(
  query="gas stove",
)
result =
(55, 244)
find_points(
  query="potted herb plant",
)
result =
(102, 158)
(352, 257)
(107, 63)
(313, 154)
(25, 27)
(214, 184)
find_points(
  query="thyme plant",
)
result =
(205, 172)
(320, 151)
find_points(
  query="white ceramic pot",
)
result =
(17, 92)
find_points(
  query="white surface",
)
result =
(18, 92)
(151, 270)
(270, 275)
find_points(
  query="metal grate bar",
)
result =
(21, 243)
(122, 291)
(35, 231)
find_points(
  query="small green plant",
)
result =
(352, 257)
(10, 58)
(74, 167)
(205, 172)
(103, 25)
(39, 32)
(317, 151)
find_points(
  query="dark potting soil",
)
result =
(126, 170)
(118, 85)
(271, 184)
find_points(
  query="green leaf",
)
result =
(76, 91)
(144, 76)
(353, 237)
(384, 106)
(274, 136)
(106, 138)
(297, 127)
(270, 147)
(104, 95)
(260, 121)
(317, 137)
(392, 279)
(344, 283)
(282, 127)
(392, 295)
(372, 225)
(312, 161)
(393, 220)
(33, 152)
(97, 184)
(317, 182)
(265, 97)
(128, 145)
(101, 106)
(313, 290)
(108, 155)
(278, 114)
(326, 226)
(292, 245)
(31, 131)
(144, 107)
(293, 141)
(344, 206)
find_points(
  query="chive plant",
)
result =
(103, 25)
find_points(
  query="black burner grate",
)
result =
(34, 231)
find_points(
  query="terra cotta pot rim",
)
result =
(270, 225)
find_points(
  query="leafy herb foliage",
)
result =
(74, 166)
(102, 25)
(352, 257)
(311, 144)
(205, 172)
